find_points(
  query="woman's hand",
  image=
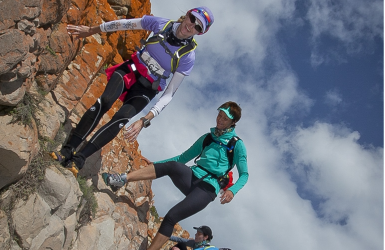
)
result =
(147, 161)
(226, 197)
(133, 131)
(80, 31)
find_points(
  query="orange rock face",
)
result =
(39, 54)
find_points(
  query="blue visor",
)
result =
(227, 112)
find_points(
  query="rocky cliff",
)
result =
(47, 81)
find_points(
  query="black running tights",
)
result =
(198, 194)
(136, 100)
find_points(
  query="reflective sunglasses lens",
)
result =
(198, 28)
(194, 20)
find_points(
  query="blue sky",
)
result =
(309, 78)
(353, 84)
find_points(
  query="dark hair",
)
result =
(235, 110)
(206, 231)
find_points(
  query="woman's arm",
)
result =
(189, 154)
(168, 94)
(134, 129)
(188, 242)
(81, 31)
(122, 24)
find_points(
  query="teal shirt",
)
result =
(214, 159)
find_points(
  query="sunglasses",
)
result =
(197, 26)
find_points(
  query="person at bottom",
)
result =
(179, 246)
(203, 237)
(197, 183)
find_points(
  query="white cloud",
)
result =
(333, 98)
(350, 23)
(346, 176)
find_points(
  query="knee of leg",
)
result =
(167, 226)
(126, 111)
(169, 218)
(105, 102)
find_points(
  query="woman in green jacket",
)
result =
(200, 182)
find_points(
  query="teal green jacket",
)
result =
(214, 159)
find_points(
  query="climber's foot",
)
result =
(115, 181)
(64, 155)
(77, 162)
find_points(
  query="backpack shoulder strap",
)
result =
(207, 141)
(230, 150)
(156, 38)
(159, 38)
(181, 52)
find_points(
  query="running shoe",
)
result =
(72, 167)
(77, 162)
(64, 155)
(114, 180)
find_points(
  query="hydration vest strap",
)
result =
(207, 141)
(181, 52)
(159, 38)
(200, 179)
(208, 173)
(229, 149)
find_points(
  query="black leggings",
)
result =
(198, 194)
(136, 100)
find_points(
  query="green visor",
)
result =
(227, 112)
